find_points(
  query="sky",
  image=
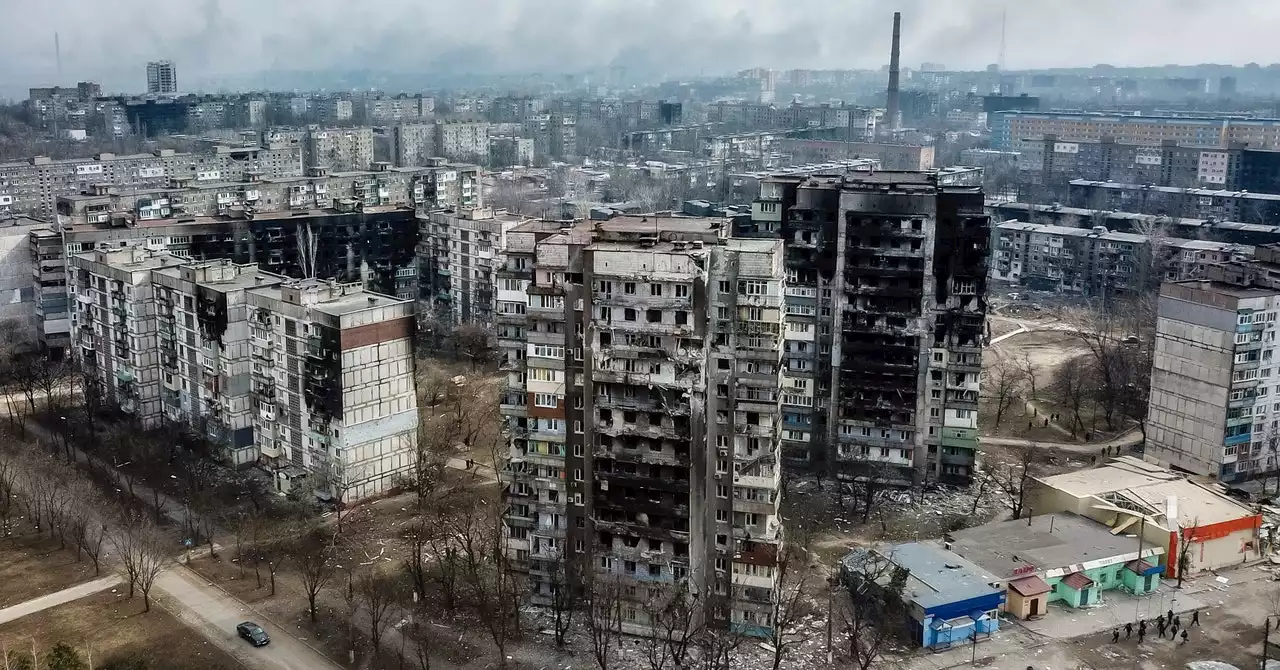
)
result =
(110, 41)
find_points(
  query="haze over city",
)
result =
(652, 335)
(228, 42)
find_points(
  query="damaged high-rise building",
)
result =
(642, 396)
(886, 273)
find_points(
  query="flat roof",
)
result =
(939, 577)
(1133, 216)
(1148, 486)
(334, 306)
(642, 224)
(1047, 541)
(1206, 192)
(246, 278)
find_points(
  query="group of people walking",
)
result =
(1165, 623)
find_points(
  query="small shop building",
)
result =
(1170, 510)
(949, 600)
(1062, 557)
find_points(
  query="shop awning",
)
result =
(1078, 581)
(1029, 586)
(1142, 567)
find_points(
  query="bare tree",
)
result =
(1012, 478)
(717, 639)
(1186, 538)
(566, 592)
(874, 609)
(1072, 387)
(141, 548)
(1029, 374)
(1004, 382)
(789, 608)
(604, 623)
(376, 596)
(9, 469)
(312, 556)
(495, 589)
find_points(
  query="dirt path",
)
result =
(1128, 439)
(58, 598)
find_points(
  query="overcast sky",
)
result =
(110, 40)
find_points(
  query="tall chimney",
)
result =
(892, 98)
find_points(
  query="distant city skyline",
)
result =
(239, 40)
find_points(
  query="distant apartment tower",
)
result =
(333, 110)
(310, 379)
(642, 395)
(507, 150)
(463, 140)
(413, 144)
(886, 273)
(339, 149)
(162, 77)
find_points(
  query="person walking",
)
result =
(1177, 621)
(1142, 631)
(1195, 619)
(1115, 635)
(1169, 616)
(1161, 626)
(1184, 636)
(1128, 630)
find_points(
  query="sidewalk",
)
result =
(59, 598)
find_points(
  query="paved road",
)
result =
(214, 613)
(1128, 439)
(58, 598)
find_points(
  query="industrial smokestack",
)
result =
(892, 98)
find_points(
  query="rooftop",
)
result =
(1046, 542)
(1147, 486)
(937, 577)
(1222, 288)
(1202, 192)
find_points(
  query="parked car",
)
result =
(253, 633)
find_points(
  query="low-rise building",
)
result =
(1169, 511)
(1060, 557)
(949, 600)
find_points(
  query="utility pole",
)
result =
(831, 585)
(1138, 601)
(1266, 640)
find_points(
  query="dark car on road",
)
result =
(253, 633)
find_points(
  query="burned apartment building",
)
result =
(460, 253)
(350, 226)
(886, 273)
(306, 378)
(1098, 262)
(642, 397)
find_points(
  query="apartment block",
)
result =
(32, 186)
(507, 150)
(162, 77)
(340, 149)
(1210, 410)
(892, 156)
(306, 378)
(333, 110)
(642, 397)
(886, 273)
(1010, 128)
(459, 255)
(1175, 202)
(413, 144)
(463, 140)
(333, 380)
(399, 109)
(1098, 262)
